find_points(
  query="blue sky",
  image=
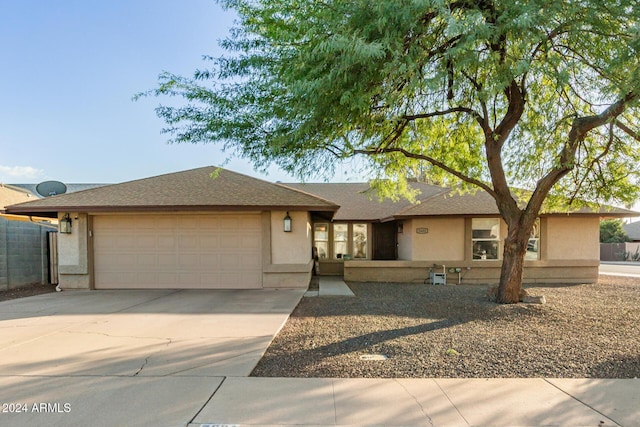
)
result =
(68, 71)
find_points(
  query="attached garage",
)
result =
(209, 251)
(205, 228)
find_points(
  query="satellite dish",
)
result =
(51, 188)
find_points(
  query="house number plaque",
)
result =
(422, 230)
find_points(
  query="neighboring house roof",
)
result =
(71, 188)
(9, 195)
(194, 189)
(632, 230)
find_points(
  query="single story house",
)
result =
(214, 228)
(10, 195)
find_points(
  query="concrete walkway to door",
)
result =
(113, 358)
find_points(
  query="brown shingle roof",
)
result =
(481, 203)
(193, 189)
(358, 203)
(448, 203)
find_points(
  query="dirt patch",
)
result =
(583, 331)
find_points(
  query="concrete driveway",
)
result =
(129, 357)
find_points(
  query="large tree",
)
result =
(492, 94)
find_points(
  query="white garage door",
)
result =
(177, 251)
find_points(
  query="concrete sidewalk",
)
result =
(624, 269)
(422, 402)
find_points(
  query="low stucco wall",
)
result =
(287, 276)
(566, 271)
(330, 267)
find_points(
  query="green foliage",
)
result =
(489, 94)
(611, 231)
(498, 94)
(631, 256)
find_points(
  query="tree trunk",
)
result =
(515, 248)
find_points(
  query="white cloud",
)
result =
(24, 172)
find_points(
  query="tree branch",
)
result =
(393, 137)
(582, 125)
(594, 162)
(515, 109)
(469, 111)
(627, 130)
(493, 147)
(579, 129)
(431, 160)
(550, 36)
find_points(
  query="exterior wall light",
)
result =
(287, 223)
(65, 224)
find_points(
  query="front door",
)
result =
(385, 241)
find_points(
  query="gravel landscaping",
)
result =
(583, 331)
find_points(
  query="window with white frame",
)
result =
(533, 247)
(359, 241)
(340, 240)
(485, 238)
(321, 239)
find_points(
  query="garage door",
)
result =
(177, 251)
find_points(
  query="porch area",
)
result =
(469, 273)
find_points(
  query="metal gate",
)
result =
(52, 249)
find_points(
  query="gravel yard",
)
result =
(583, 331)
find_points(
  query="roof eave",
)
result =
(53, 210)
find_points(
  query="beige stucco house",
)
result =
(192, 230)
(460, 235)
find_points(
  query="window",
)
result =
(321, 239)
(340, 240)
(359, 241)
(533, 247)
(485, 237)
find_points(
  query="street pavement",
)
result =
(625, 269)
